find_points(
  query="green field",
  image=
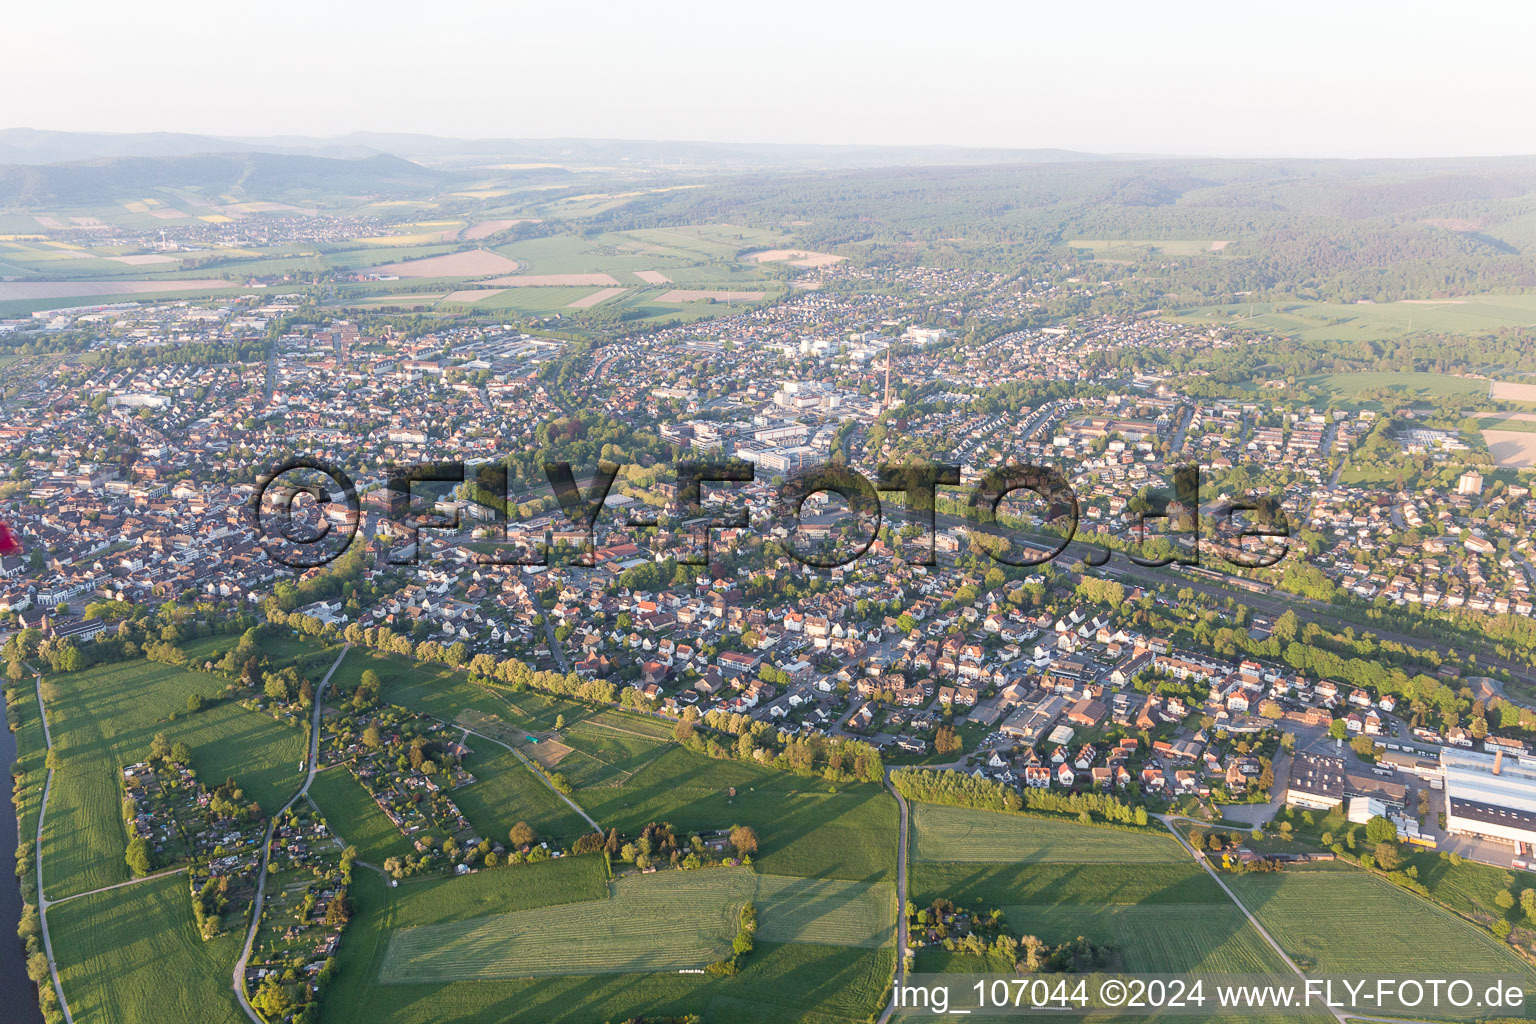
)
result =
(104, 718)
(805, 826)
(506, 791)
(611, 751)
(1419, 385)
(1139, 893)
(1132, 248)
(959, 834)
(602, 748)
(1471, 888)
(435, 691)
(526, 300)
(1343, 921)
(1162, 938)
(1498, 421)
(1093, 884)
(780, 984)
(548, 883)
(352, 815)
(661, 922)
(134, 954)
(31, 764)
(1323, 321)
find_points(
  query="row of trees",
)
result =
(957, 789)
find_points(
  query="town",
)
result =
(564, 603)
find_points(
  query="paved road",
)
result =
(1258, 814)
(42, 814)
(556, 648)
(266, 845)
(902, 940)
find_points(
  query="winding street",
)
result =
(266, 846)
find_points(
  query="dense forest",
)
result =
(1311, 230)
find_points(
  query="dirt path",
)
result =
(120, 885)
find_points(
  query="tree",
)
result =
(1380, 830)
(160, 747)
(946, 741)
(195, 702)
(139, 856)
(275, 686)
(14, 672)
(339, 911)
(522, 835)
(1338, 730)
(372, 738)
(744, 839)
(1389, 857)
(559, 722)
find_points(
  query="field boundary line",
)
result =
(122, 885)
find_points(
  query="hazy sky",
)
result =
(1328, 79)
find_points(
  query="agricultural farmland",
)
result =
(104, 718)
(352, 814)
(1042, 883)
(807, 827)
(660, 922)
(1157, 938)
(960, 834)
(134, 955)
(472, 263)
(436, 900)
(1345, 322)
(1340, 921)
(1139, 893)
(506, 791)
(780, 983)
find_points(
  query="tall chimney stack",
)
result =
(886, 404)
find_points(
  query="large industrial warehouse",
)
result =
(1490, 796)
